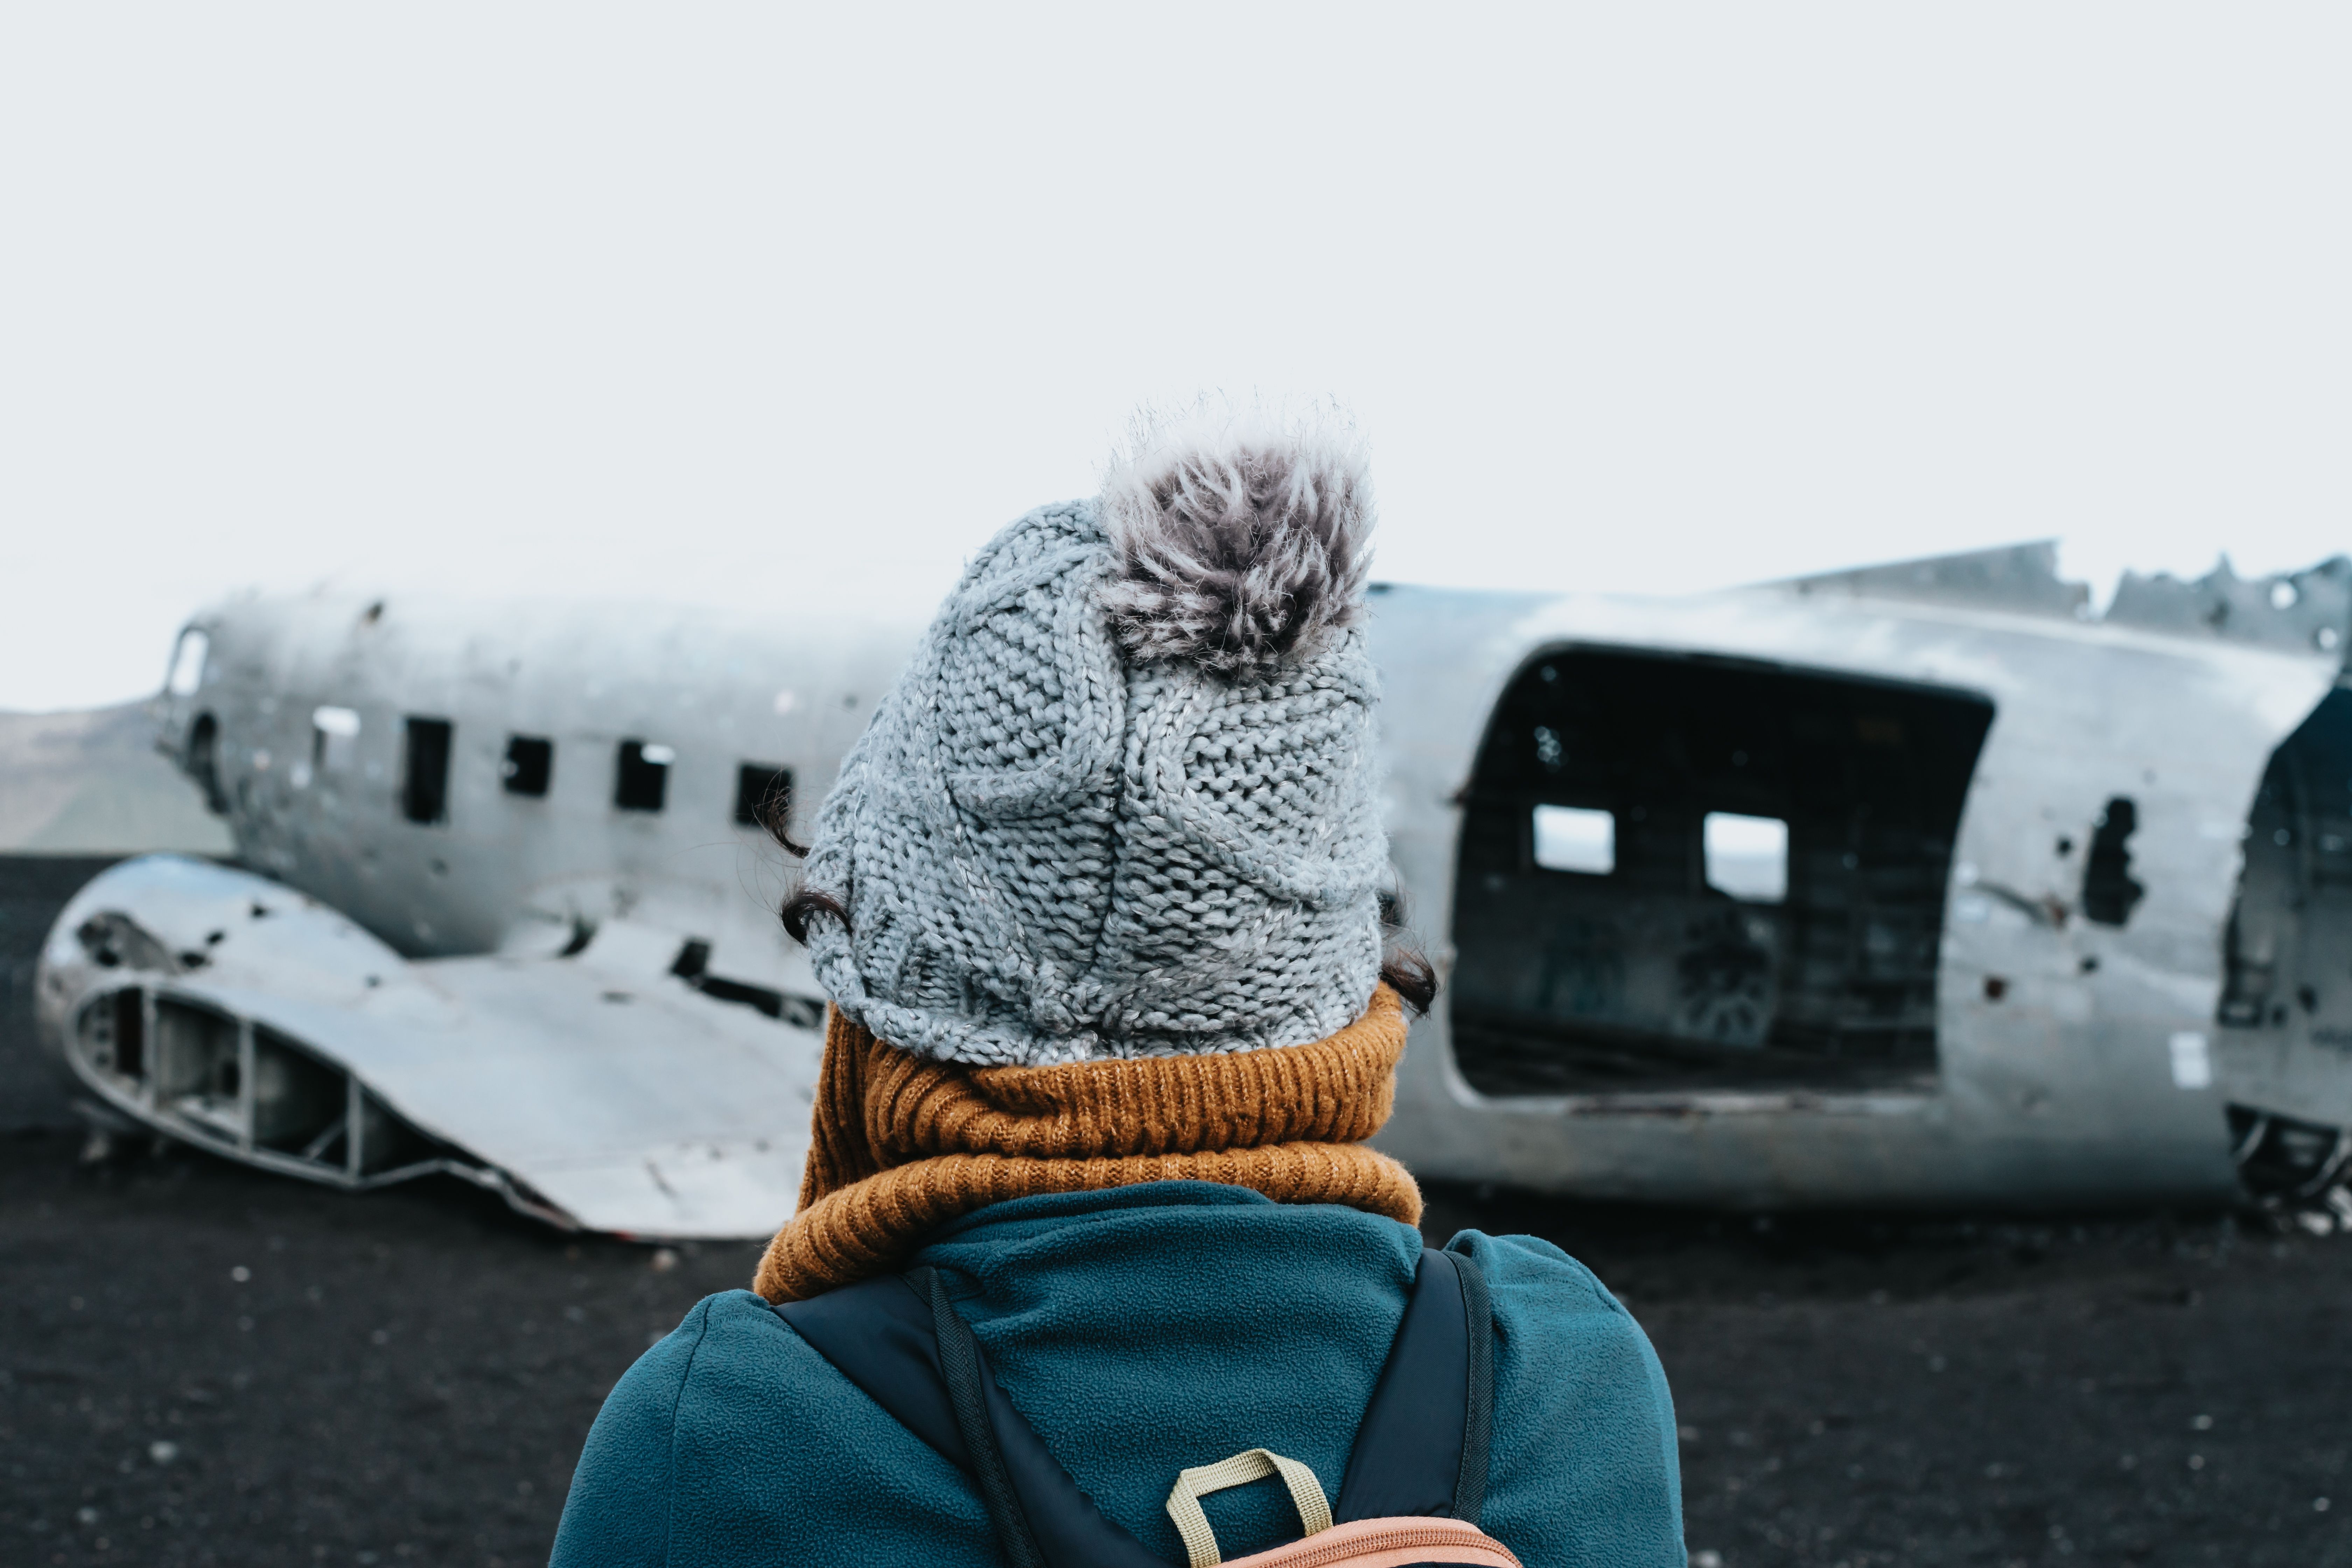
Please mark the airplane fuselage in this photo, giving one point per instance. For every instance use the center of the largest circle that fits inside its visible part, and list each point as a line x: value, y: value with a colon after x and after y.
x: 1860, y: 891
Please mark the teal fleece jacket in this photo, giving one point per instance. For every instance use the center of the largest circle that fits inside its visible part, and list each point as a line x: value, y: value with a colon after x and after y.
x: 1140, y: 1331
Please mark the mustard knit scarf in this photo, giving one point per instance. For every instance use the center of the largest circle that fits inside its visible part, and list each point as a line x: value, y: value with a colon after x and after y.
x: 902, y: 1144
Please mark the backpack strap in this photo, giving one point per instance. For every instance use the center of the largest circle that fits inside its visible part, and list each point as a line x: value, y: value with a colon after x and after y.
x: 880, y: 1335
x: 1478, y: 1398
x: 968, y: 1386
x: 901, y: 1340
x: 1407, y: 1460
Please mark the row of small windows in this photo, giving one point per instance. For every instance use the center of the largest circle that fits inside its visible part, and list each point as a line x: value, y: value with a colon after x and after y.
x: 640, y: 773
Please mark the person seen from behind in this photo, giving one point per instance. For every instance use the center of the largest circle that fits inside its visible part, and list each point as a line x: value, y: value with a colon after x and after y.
x: 1092, y: 1265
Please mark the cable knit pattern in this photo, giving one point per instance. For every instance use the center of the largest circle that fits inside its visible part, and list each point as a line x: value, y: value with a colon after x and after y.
x: 903, y: 1144
x: 1052, y: 851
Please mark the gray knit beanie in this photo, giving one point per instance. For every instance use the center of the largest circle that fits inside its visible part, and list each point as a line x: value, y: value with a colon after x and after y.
x: 1121, y: 802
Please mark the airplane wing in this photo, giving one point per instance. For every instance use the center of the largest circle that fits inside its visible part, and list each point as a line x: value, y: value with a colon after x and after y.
x: 620, y: 1086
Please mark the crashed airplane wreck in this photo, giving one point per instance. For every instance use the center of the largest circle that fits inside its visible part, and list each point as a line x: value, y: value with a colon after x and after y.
x: 1919, y: 885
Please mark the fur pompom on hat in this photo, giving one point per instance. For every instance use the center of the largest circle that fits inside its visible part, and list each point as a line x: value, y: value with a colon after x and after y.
x: 1121, y: 802
x: 1239, y: 540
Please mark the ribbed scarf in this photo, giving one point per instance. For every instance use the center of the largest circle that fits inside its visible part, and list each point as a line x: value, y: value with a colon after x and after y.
x: 902, y: 1144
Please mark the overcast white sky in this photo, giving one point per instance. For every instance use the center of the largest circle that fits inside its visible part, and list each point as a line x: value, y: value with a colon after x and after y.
x: 751, y: 305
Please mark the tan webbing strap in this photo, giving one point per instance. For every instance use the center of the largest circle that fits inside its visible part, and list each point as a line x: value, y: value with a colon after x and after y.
x: 1254, y: 1464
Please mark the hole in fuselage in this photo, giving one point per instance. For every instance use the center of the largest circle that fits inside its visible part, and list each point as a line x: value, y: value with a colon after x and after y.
x: 2292, y: 919
x: 2109, y: 891
x: 1676, y: 872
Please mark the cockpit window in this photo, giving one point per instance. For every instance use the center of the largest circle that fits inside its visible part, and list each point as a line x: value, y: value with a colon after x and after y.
x: 187, y: 670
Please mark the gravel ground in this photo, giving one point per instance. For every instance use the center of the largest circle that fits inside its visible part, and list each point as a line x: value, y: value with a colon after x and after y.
x: 199, y: 1363
x: 203, y: 1363
x: 2132, y: 1390
x: 33, y: 888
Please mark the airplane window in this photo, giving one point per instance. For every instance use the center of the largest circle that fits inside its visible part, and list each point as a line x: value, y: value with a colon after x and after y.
x: 334, y: 733
x: 1746, y: 856
x: 1572, y: 838
x: 425, y: 772
x: 642, y: 783
x: 761, y: 789
x: 1767, y: 854
x: 530, y: 763
x: 188, y: 663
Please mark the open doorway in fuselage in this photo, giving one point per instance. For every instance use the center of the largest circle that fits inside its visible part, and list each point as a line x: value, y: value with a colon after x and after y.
x: 1685, y: 872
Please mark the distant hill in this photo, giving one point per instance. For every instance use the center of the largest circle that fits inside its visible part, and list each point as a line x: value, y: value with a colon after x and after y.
x: 92, y: 783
